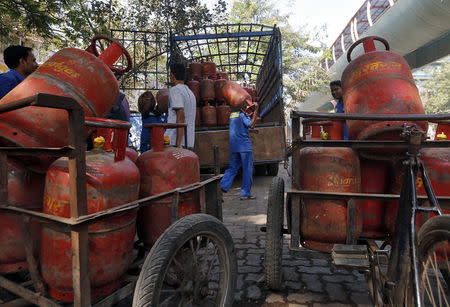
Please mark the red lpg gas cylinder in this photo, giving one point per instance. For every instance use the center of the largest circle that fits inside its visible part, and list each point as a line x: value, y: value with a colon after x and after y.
x: 437, y: 166
x: 222, y: 75
x: 379, y: 82
x: 195, y: 70
x: 198, y: 117
x: 237, y: 97
x: 209, y: 69
x: 207, y: 90
x: 69, y: 72
x: 324, y: 222
x: 194, y: 86
x: 25, y: 190
x: 162, y: 101
x: 223, y: 115
x: 164, y: 169
x: 209, y: 116
x: 374, y: 180
x: 110, y: 183
x: 131, y: 154
x: 115, y: 133
x: 218, y: 90
x: 443, y: 128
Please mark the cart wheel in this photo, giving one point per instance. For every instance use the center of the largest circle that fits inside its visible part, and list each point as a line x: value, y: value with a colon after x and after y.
x: 193, y: 263
x: 272, y: 169
x: 274, y: 234
x: 434, y: 253
x: 289, y: 212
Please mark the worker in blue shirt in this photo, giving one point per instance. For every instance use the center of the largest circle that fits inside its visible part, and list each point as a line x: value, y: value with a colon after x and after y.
x: 336, y: 92
x: 21, y: 62
x: 147, y: 108
x: 241, y: 153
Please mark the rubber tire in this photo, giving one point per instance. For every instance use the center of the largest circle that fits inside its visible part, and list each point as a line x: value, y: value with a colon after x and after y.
x: 272, y: 169
x: 433, y: 231
x: 289, y: 213
x: 157, y: 262
x: 274, y: 234
x: 260, y: 170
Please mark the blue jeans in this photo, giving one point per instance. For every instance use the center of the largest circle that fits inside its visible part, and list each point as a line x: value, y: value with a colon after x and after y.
x: 238, y: 159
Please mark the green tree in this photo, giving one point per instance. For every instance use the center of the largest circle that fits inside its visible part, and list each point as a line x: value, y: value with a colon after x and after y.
x: 436, y: 91
x: 172, y: 15
x: 301, y: 71
x: 22, y: 18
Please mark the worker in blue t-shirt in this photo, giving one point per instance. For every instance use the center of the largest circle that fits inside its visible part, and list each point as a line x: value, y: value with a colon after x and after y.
x: 336, y: 92
x: 241, y: 153
x: 146, y: 105
x: 21, y: 62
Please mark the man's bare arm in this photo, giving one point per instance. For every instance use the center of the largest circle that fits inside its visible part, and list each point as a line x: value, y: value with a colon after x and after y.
x: 180, y: 131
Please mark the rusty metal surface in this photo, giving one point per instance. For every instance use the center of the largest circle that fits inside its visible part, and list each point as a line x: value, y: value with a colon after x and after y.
x: 12, y: 250
x: 63, y: 74
x: 374, y: 179
x: 207, y: 90
x: 162, y: 171
x: 379, y: 82
x: 223, y: 115
x: 324, y: 222
x: 109, y: 183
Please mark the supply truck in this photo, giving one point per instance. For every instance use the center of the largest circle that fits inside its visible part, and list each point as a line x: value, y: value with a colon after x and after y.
x: 250, y: 54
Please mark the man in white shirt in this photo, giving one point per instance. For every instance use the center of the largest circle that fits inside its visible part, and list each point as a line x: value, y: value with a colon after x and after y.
x: 182, y: 107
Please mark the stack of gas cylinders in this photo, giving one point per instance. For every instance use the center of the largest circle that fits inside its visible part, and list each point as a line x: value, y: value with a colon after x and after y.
x: 215, y: 94
x: 42, y: 183
x: 377, y: 82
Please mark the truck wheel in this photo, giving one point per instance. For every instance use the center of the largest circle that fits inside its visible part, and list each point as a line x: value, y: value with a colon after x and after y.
x: 274, y: 234
x: 272, y: 169
x: 193, y: 263
x: 260, y: 170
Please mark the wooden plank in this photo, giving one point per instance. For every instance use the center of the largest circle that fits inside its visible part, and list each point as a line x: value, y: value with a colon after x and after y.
x: 78, y: 207
x: 20, y: 302
x: 29, y: 295
x: 32, y: 264
x: 80, y: 267
x: 202, y: 200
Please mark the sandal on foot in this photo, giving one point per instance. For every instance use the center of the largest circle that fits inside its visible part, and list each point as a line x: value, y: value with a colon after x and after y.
x: 247, y: 197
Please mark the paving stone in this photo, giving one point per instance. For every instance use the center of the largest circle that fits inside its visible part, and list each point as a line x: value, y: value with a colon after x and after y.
x: 356, y: 286
x: 241, y: 262
x: 296, y: 262
x: 249, y: 269
x: 361, y: 299
x: 290, y: 274
x: 240, y: 253
x: 240, y: 282
x: 245, y: 246
x: 305, y: 298
x: 314, y: 269
x: 297, y: 305
x: 320, y: 262
x: 312, y: 282
x: 253, y: 277
x: 254, y: 259
x: 294, y: 285
x: 338, y: 278
x: 260, y: 251
x: 253, y: 292
x: 331, y: 305
x: 359, y: 276
x: 274, y: 298
x: 336, y: 292
x: 238, y: 295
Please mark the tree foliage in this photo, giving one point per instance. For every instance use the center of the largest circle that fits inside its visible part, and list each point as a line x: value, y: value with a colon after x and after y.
x: 436, y: 91
x: 172, y: 15
x: 301, y: 71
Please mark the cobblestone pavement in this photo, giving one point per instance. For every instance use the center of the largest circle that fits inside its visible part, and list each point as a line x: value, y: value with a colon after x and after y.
x: 309, y: 279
